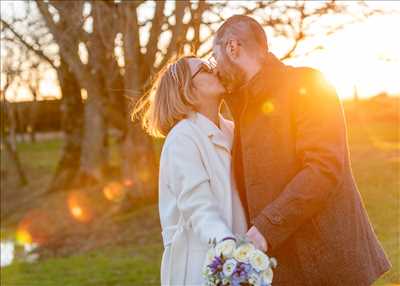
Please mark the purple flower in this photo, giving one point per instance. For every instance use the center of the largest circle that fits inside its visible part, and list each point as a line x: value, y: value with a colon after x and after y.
x: 216, y: 265
x: 236, y: 279
x: 246, y: 267
x: 242, y: 270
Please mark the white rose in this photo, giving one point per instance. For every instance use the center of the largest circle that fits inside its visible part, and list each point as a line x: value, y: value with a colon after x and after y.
x: 254, y: 279
x: 259, y: 260
x: 228, y: 267
x: 242, y: 253
x: 225, y: 248
x: 267, y: 276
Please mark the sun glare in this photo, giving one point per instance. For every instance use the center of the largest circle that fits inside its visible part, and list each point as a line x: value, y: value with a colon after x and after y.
x: 363, y: 58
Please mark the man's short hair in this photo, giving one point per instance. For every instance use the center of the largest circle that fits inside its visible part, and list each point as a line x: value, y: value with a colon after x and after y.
x: 246, y: 30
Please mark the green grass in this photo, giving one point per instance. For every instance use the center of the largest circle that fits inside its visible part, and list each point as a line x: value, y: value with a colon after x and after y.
x: 375, y: 154
x: 42, y: 155
x: 111, y: 266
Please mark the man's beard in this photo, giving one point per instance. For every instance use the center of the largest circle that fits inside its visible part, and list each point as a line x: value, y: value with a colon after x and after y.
x: 232, y: 76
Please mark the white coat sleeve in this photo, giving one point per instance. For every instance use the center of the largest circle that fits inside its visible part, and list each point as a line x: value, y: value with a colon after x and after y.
x: 191, y: 184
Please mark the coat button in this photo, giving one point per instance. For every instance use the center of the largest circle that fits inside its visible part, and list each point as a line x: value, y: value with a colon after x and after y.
x: 276, y: 219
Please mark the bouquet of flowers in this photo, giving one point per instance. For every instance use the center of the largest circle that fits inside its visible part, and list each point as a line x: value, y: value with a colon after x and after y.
x: 236, y: 262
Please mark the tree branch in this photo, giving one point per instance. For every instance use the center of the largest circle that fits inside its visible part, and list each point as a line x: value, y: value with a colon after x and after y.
x: 67, y: 42
x: 27, y: 45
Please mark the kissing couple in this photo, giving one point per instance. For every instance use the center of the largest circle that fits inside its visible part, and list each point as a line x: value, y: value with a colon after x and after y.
x: 279, y: 173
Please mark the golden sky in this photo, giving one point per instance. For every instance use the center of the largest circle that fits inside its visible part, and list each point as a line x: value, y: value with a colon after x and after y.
x: 365, y: 55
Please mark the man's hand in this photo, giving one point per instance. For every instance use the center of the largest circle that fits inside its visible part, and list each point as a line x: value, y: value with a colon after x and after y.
x: 257, y: 239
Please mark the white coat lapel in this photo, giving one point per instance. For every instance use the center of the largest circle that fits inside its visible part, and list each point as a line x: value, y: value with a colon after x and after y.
x: 220, y: 183
x: 221, y: 137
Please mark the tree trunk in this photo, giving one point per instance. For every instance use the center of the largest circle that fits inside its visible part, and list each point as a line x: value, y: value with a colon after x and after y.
x: 139, y: 167
x: 94, y: 144
x: 11, y: 157
x: 72, y: 125
x: 15, y: 162
x: 139, y: 163
x: 33, y: 112
x: 13, y: 124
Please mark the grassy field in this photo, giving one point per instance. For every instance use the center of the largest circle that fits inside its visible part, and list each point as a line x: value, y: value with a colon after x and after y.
x: 131, y: 252
x: 136, y: 263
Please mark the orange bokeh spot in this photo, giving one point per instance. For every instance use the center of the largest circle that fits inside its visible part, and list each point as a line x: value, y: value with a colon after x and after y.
x: 128, y: 182
x: 114, y: 191
x: 23, y: 236
x: 35, y: 227
x: 76, y: 211
x: 267, y: 107
x: 302, y: 91
x: 79, y: 207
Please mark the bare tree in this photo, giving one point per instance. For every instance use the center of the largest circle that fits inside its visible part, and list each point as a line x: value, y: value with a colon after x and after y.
x: 12, y: 68
x: 69, y: 35
x: 30, y: 31
x: 112, y: 49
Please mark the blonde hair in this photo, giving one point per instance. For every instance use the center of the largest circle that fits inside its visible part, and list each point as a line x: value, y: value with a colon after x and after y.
x: 169, y: 100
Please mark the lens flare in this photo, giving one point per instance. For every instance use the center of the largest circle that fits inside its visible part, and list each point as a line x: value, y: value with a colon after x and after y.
x: 76, y: 211
x: 79, y: 207
x: 268, y: 107
x: 35, y: 227
x: 23, y: 236
x: 114, y: 191
x: 128, y: 183
x: 303, y: 91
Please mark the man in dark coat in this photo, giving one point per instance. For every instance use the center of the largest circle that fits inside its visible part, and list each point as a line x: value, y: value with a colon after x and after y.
x: 292, y: 165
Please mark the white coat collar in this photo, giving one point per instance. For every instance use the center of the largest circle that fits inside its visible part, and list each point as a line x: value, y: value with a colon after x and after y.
x: 222, y: 137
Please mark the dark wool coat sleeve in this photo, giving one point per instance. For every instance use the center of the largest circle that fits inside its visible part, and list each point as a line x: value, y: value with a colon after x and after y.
x: 320, y: 147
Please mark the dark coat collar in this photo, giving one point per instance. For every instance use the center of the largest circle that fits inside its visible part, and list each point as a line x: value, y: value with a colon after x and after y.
x: 263, y: 83
x: 266, y: 80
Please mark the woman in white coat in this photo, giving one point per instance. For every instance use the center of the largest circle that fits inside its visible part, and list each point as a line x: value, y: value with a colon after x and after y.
x: 197, y: 197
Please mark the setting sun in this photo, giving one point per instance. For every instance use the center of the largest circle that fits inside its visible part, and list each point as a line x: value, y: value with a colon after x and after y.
x: 363, y: 57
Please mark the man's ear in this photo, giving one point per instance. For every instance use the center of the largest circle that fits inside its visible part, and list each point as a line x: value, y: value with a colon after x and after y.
x: 232, y: 48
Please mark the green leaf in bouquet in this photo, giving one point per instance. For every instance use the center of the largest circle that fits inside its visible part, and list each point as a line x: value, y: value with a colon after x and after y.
x: 214, y: 242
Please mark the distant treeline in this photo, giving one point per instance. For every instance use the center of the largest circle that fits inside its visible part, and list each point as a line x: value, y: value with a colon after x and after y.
x: 38, y: 116
x: 380, y: 108
x: 45, y: 115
